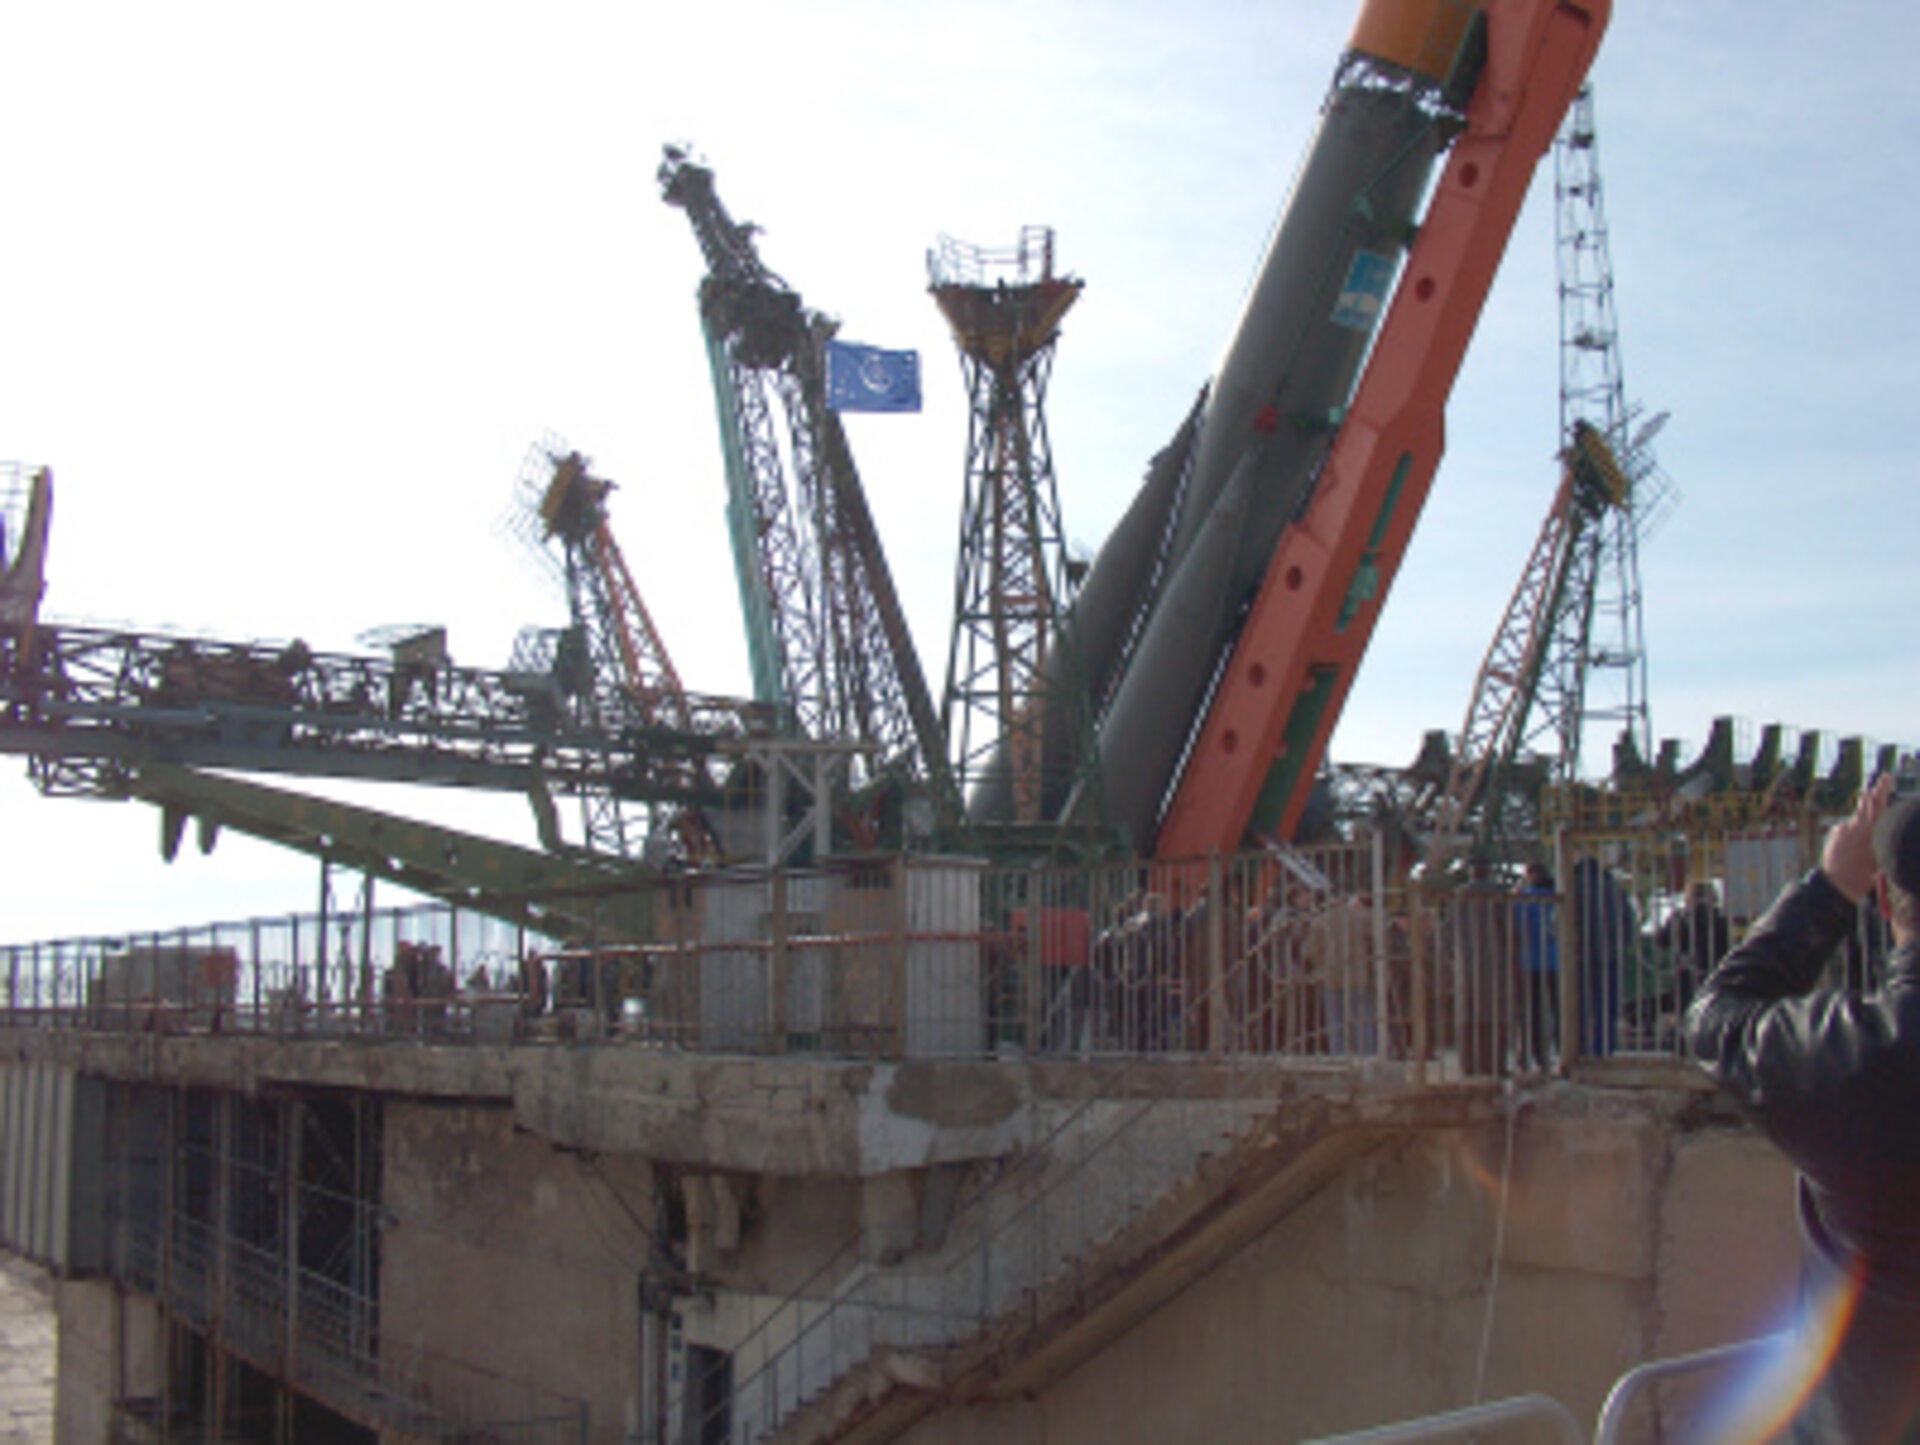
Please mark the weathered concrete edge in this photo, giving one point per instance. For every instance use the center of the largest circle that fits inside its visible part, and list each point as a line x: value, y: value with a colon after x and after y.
x: 791, y: 1116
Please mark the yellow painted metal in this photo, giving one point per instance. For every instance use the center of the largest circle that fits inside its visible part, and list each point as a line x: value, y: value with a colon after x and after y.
x: 1422, y: 36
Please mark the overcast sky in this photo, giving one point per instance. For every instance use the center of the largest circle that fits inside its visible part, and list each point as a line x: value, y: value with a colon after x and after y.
x: 286, y: 294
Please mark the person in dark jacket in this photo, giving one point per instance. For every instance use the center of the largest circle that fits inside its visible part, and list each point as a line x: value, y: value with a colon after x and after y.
x: 1699, y: 936
x: 1605, y: 927
x: 1833, y: 1077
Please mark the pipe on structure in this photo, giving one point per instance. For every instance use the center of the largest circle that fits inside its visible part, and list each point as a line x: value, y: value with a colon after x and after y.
x: 23, y: 556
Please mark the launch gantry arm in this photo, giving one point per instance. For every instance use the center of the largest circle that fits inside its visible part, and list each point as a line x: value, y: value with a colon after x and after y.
x: 632, y: 677
x: 90, y: 706
x: 826, y: 635
x: 1555, y: 577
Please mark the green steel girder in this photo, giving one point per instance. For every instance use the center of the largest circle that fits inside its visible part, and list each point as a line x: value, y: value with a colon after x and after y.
x: 557, y: 895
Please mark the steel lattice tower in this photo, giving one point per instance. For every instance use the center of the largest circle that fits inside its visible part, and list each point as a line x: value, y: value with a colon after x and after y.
x: 1012, y: 585
x: 1574, y: 618
x: 826, y: 634
x: 611, y: 655
x: 1595, y: 667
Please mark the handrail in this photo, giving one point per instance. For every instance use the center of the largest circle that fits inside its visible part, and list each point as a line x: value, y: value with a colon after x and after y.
x: 1606, y: 1429
x: 1453, y: 1422
x: 793, y: 1351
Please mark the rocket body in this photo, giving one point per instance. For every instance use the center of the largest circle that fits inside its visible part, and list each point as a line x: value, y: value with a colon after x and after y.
x: 1274, y: 406
x: 1319, y: 293
x: 1163, y: 603
x: 1102, y: 617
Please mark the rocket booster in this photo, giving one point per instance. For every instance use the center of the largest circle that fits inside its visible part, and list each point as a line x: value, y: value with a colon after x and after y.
x: 1278, y: 395
x: 1103, y: 616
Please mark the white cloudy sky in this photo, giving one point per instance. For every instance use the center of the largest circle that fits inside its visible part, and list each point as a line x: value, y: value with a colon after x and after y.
x: 285, y: 294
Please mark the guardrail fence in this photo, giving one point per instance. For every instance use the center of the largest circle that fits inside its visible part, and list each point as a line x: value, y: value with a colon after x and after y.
x: 1308, y: 953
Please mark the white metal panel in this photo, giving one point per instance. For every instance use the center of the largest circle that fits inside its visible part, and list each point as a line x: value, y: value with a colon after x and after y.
x: 10, y: 1145
x: 945, y: 1007
x: 39, y: 1154
x: 60, y: 1154
x: 734, y: 982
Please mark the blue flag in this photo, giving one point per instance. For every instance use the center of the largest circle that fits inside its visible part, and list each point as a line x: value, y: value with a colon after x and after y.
x: 865, y: 378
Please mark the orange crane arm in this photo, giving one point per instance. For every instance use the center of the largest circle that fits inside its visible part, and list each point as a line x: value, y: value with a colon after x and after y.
x: 650, y: 676
x: 1294, y: 663
x: 1504, y: 688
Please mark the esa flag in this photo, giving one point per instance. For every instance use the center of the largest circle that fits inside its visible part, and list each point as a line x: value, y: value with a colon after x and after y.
x: 865, y: 378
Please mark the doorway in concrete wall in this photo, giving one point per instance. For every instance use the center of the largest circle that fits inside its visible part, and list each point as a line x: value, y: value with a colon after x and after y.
x: 708, y: 1417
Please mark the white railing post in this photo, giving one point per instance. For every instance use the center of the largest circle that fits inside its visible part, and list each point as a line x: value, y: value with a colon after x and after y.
x: 1382, y: 1000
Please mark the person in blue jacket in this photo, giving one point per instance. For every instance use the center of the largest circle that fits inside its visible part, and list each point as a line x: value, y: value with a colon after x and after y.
x: 1538, y: 932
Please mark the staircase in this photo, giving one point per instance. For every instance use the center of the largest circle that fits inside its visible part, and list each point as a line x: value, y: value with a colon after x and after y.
x: 1129, y: 1197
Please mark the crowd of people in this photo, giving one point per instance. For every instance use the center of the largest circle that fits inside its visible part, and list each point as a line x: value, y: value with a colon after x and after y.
x: 1309, y: 969
x: 418, y: 989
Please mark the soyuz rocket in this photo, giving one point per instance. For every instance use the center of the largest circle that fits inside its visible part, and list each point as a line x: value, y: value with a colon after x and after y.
x: 1159, y: 609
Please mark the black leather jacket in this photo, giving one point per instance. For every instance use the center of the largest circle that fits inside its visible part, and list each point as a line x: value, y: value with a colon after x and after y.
x: 1834, y: 1079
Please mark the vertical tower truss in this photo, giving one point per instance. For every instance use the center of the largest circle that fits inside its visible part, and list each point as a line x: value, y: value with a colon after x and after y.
x: 826, y: 636
x: 1005, y: 308
x: 1568, y: 651
x: 1594, y: 670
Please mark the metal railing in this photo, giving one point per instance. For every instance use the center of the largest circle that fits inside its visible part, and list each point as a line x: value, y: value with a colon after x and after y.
x: 1458, y: 1424
x: 1626, y: 1391
x: 1101, y: 1163
x: 324, y: 1340
x: 1303, y: 955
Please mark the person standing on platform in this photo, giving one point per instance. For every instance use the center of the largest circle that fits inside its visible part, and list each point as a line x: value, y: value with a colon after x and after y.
x: 1539, y: 936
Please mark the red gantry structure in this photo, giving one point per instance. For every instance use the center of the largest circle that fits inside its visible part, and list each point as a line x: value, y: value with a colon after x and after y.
x: 611, y: 652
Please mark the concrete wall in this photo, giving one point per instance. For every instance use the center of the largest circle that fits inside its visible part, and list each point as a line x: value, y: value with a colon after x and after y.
x: 1636, y: 1227
x: 1640, y: 1222
x: 505, y: 1252
x: 101, y: 1361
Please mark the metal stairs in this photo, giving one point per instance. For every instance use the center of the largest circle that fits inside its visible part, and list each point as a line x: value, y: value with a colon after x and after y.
x: 1127, y: 1199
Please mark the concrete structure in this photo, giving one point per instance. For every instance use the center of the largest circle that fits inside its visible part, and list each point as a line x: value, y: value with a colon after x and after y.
x: 1153, y: 1191
x: 28, y: 1361
x: 590, y: 1228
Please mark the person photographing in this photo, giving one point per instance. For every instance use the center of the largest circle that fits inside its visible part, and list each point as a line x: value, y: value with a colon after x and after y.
x: 1833, y: 1078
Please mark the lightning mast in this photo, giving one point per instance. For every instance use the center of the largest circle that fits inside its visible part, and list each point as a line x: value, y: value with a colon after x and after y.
x: 826, y: 636
x: 1013, y: 583
x: 1595, y: 667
